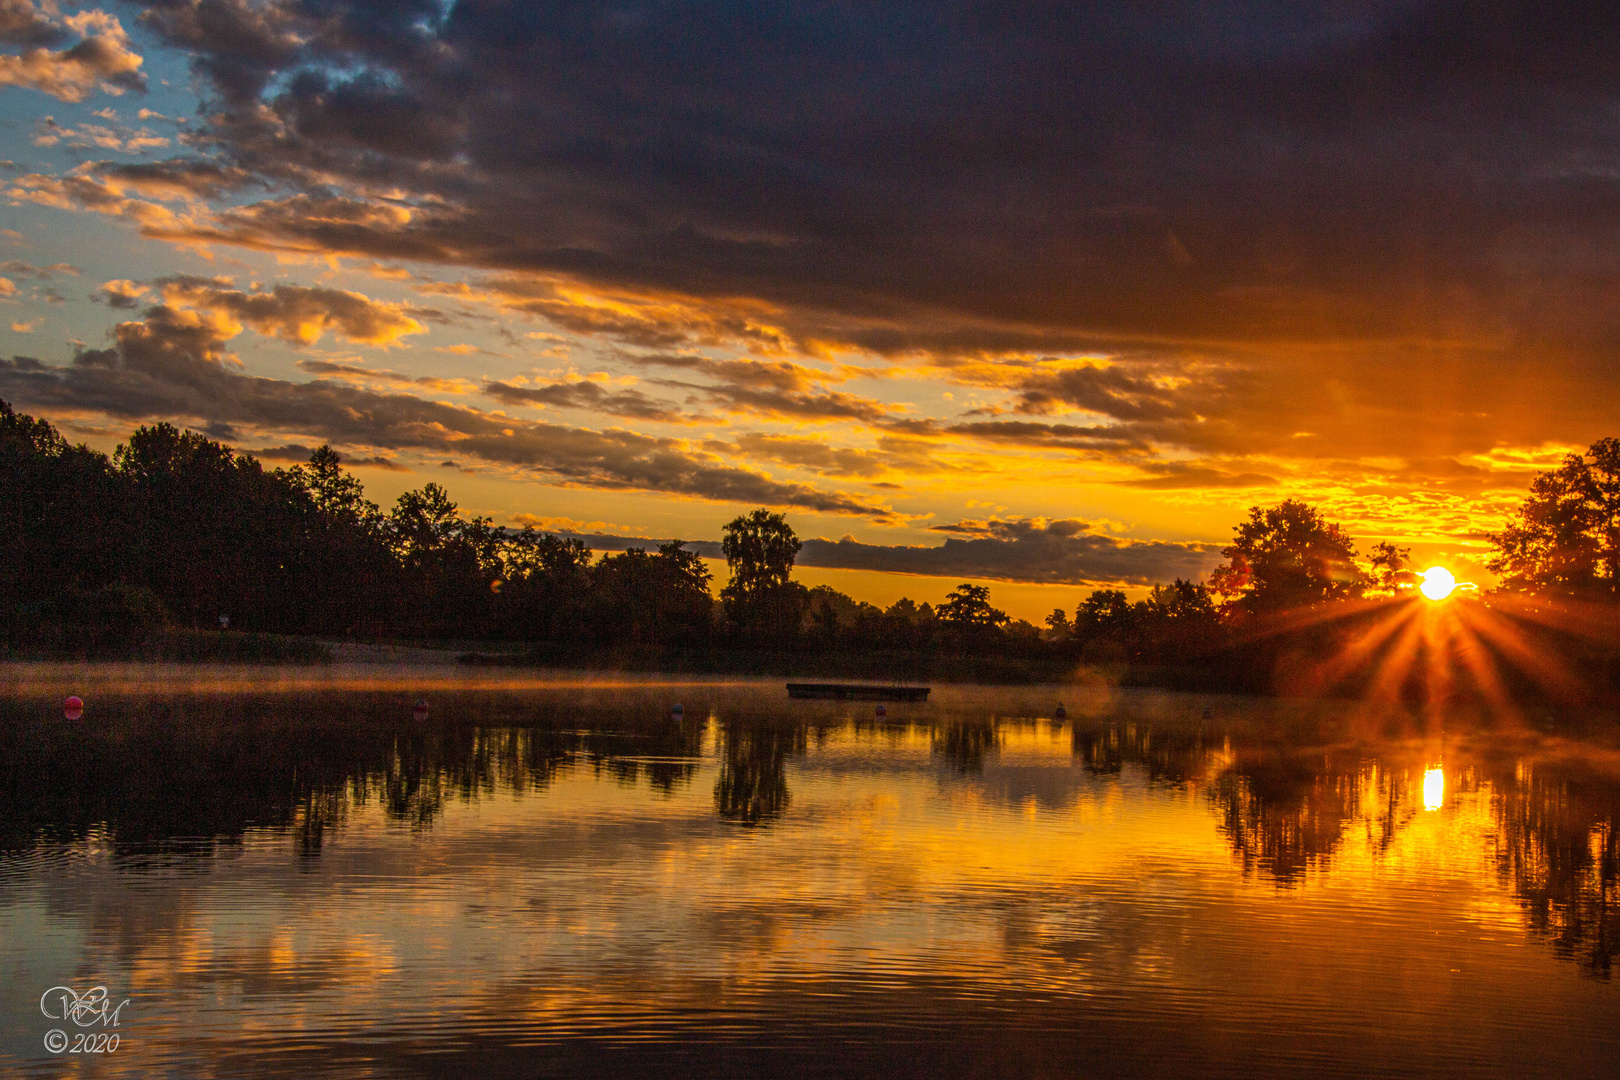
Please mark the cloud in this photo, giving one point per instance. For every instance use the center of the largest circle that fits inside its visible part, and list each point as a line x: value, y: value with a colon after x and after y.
x: 301, y: 454
x: 172, y: 364
x: 1169, y: 476
x: 21, y: 23
x: 359, y: 373
x: 42, y: 273
x: 47, y: 132
x: 122, y: 293
x: 1026, y: 550
x: 1112, y: 391
x: 8, y: 287
x: 893, y: 455
x: 102, y: 58
x: 778, y: 375
x: 297, y: 313
x: 565, y: 524
x: 587, y: 395
x: 1105, y: 437
x: 178, y: 179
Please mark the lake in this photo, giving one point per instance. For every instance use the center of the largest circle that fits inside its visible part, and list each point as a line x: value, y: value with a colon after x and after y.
x: 281, y: 872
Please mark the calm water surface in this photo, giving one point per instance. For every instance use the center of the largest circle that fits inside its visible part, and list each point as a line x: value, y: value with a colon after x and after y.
x: 288, y: 875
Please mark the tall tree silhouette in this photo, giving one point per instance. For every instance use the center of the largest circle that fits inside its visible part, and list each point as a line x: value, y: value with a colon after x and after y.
x: 761, y: 599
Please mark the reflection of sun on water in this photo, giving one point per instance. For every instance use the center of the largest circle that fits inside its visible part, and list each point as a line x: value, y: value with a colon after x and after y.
x: 1434, y: 788
x: 1438, y: 583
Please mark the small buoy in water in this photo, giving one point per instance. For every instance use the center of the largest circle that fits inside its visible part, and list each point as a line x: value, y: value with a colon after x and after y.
x: 419, y: 713
x: 73, y: 708
x: 1061, y: 712
x: 676, y: 711
x: 224, y: 622
x: 882, y: 711
x: 1208, y: 714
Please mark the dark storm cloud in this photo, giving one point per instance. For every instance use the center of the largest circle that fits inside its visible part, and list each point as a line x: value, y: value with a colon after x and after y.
x: 1389, y: 226
x: 1117, y: 166
x: 170, y: 365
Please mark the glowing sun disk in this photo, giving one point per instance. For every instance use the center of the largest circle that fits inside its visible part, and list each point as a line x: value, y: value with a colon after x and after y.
x: 1437, y: 583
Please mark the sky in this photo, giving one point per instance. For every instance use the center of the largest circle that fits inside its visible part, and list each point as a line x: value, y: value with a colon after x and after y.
x: 1038, y: 295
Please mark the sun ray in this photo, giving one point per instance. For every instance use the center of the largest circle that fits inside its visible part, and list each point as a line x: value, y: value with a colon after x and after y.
x: 1392, y: 670
x: 1476, y: 658
x: 1366, y: 644
x: 1546, y: 669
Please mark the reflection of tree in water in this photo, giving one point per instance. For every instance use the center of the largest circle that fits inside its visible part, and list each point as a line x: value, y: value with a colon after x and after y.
x: 752, y: 787
x: 1556, y: 842
x: 965, y: 743
x: 1284, y: 814
x: 665, y: 756
x: 1173, y: 756
x: 182, y: 777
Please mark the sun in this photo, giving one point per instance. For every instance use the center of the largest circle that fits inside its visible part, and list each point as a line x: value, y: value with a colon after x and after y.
x: 1438, y: 583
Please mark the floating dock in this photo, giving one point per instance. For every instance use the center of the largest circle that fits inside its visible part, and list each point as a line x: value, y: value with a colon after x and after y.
x: 856, y: 691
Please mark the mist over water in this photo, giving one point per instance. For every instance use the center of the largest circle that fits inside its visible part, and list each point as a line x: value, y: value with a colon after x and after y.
x: 286, y: 873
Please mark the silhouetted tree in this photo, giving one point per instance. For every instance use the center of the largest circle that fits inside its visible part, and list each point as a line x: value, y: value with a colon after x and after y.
x: 546, y: 589
x: 657, y: 601
x: 213, y: 532
x: 1177, y: 623
x: 1391, y: 567
x: 967, y: 608
x: 1287, y: 556
x: 450, y: 564
x: 63, y: 525
x: 761, y: 599
x: 1565, y: 538
x: 352, y: 577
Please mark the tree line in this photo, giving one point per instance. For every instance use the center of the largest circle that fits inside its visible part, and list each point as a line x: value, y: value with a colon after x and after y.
x: 175, y: 528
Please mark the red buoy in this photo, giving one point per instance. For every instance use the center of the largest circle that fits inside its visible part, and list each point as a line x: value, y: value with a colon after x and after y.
x: 73, y: 708
x: 419, y: 713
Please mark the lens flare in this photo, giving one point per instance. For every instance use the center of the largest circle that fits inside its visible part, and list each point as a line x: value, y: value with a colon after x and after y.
x: 1437, y: 583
